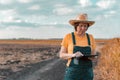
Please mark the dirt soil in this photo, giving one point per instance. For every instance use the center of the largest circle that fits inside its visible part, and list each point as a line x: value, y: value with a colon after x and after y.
x: 19, y: 59
x: 31, y: 62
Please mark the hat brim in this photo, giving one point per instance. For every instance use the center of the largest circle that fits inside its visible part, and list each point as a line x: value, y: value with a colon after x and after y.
x: 72, y: 22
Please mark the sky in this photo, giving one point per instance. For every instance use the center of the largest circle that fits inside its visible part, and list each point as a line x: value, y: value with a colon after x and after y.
x: 46, y: 19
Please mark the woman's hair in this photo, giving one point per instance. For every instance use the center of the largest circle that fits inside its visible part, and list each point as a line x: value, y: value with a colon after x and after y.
x: 76, y: 25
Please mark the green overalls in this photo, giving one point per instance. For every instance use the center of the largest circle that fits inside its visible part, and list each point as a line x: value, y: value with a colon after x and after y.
x: 84, y: 69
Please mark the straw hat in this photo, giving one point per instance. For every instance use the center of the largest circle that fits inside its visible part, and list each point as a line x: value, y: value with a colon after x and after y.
x: 82, y: 18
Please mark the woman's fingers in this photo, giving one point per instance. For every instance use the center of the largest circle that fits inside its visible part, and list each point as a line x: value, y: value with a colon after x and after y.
x: 78, y: 54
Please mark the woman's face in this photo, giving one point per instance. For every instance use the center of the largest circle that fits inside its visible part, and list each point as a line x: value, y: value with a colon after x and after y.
x: 82, y: 28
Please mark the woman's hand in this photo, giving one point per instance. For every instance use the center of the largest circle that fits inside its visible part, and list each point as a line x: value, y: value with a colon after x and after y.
x: 93, y: 58
x: 78, y: 54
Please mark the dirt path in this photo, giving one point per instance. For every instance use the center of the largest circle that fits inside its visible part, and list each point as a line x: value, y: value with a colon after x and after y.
x: 52, y: 69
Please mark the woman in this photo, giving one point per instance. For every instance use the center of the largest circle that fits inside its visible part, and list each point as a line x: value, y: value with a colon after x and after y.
x: 76, y: 47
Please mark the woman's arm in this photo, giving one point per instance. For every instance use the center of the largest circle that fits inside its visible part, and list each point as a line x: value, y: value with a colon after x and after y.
x: 64, y: 53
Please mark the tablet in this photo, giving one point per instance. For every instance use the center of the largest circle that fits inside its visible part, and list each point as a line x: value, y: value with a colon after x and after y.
x: 90, y: 55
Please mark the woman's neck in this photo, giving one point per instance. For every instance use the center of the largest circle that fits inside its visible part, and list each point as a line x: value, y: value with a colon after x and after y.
x: 80, y: 34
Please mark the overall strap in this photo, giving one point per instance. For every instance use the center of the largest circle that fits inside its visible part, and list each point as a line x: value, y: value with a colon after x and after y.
x: 73, y: 38
x: 88, y: 38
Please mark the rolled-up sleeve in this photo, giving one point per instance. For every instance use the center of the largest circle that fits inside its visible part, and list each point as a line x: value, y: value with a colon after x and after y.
x: 65, y: 41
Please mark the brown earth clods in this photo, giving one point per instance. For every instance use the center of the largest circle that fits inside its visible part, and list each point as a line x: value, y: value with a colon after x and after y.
x: 16, y: 57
